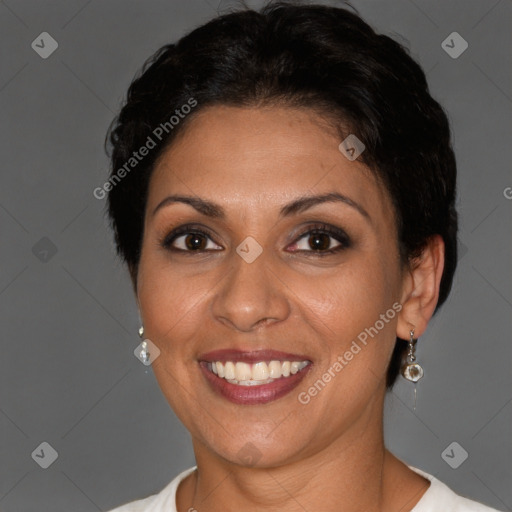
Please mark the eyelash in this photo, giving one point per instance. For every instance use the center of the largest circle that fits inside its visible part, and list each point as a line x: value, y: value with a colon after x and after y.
x: 319, y: 228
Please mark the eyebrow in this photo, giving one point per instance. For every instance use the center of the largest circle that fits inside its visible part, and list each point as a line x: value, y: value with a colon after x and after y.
x: 299, y: 205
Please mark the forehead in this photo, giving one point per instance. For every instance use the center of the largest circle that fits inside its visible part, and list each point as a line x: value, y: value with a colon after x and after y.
x: 247, y: 158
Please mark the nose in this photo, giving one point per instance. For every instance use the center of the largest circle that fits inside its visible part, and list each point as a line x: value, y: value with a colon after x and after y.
x: 251, y: 295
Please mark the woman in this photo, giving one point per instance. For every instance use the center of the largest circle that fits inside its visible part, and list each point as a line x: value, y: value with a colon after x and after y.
x: 282, y: 191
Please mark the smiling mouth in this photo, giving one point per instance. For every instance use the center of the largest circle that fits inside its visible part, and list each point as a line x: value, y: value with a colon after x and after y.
x: 256, y: 374
x: 253, y: 377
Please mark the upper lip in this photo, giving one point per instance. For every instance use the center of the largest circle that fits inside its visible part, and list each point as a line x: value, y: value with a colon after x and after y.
x: 250, y: 356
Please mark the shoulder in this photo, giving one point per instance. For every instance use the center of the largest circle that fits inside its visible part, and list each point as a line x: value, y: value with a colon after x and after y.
x: 164, y: 501
x: 440, y: 495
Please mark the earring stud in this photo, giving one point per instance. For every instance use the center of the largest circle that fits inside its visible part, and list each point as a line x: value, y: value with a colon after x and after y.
x: 141, y: 331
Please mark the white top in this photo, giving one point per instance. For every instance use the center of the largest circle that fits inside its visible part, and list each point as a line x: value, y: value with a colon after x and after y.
x: 437, y: 495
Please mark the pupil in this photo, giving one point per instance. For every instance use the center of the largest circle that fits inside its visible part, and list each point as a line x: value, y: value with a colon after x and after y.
x: 317, y: 243
x: 194, y: 241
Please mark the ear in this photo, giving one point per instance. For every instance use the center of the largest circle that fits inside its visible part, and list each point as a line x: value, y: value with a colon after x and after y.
x: 420, y: 289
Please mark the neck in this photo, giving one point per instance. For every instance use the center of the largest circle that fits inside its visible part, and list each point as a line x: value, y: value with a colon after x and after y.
x: 354, y: 472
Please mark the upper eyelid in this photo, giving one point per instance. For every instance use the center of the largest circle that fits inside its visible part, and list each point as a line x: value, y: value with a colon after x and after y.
x: 180, y: 231
x: 338, y: 234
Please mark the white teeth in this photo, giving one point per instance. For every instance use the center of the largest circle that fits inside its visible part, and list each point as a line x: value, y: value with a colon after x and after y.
x: 274, y: 369
x: 229, y: 370
x: 244, y: 374
x: 260, y: 371
x: 250, y: 382
x: 243, y: 371
x: 294, y: 368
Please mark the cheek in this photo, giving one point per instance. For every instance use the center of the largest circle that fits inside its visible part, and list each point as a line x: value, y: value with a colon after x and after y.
x: 352, y: 296
x: 351, y: 310
x: 172, y: 303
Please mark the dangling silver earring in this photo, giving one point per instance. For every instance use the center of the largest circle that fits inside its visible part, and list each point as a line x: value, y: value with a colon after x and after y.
x: 411, y: 370
x: 144, y: 354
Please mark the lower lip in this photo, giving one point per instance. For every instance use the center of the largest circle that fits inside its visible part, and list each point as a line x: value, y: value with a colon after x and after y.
x: 253, y: 395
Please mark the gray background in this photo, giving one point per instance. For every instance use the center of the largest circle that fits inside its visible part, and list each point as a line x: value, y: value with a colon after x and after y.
x: 69, y: 321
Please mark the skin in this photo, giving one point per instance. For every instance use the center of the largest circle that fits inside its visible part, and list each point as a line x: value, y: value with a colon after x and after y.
x: 327, y: 455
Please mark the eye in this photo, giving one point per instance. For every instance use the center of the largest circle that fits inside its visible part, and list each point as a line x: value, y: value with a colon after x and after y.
x: 189, y: 239
x: 319, y: 240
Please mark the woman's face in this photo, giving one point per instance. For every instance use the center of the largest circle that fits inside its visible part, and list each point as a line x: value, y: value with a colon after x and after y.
x: 259, y: 287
